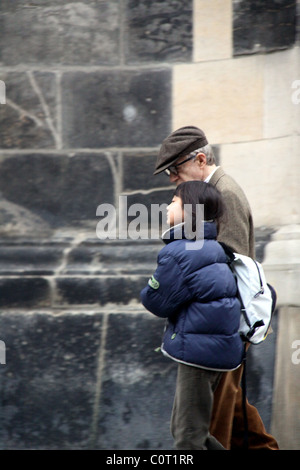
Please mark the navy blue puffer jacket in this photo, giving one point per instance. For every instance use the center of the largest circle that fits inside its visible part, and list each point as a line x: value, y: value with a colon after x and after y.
x: 196, y: 291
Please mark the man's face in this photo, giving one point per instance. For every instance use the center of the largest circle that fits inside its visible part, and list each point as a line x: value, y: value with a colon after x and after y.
x: 190, y: 170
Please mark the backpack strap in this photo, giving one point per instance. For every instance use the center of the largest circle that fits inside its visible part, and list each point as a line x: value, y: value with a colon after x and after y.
x: 228, y: 251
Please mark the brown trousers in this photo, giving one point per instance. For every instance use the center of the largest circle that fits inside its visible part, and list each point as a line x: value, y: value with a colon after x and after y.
x: 227, y: 423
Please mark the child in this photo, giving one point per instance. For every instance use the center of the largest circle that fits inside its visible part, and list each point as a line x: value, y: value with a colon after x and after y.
x: 196, y: 291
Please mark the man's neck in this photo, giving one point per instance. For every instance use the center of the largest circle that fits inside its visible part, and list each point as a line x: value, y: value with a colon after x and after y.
x: 209, y: 169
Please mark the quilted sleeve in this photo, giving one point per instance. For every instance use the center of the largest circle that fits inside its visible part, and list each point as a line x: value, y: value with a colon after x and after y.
x: 166, y: 291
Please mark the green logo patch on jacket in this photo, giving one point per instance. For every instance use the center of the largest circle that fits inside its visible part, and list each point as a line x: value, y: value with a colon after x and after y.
x: 153, y: 283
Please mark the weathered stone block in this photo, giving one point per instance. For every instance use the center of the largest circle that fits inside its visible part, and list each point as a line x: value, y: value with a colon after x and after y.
x: 48, y: 382
x: 99, y: 290
x: 137, y: 100
x: 111, y: 257
x: 158, y: 31
x: 64, y: 190
x: 28, y: 119
x: 34, y: 259
x: 159, y: 196
x: 281, y: 100
x: 70, y: 33
x: 212, y: 21
x: 55, y: 393
x: 149, y: 216
x: 231, y: 91
x: 25, y: 292
x: 270, y: 207
x: 261, y: 26
x: 16, y: 221
x: 138, y: 171
x: 138, y: 386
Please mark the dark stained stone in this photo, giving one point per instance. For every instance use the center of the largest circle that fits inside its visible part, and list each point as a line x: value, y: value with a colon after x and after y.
x: 48, y: 382
x: 116, y: 108
x: 99, y: 290
x: 59, y: 32
x: 65, y: 190
x: 25, y: 292
x: 262, y: 26
x: 158, y: 31
x: 138, y: 386
x: 28, y: 119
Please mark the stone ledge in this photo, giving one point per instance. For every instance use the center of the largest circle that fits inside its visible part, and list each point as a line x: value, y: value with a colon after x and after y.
x: 76, y: 272
x: 69, y: 256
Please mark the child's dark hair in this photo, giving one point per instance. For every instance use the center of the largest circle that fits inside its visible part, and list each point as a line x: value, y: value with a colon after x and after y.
x: 198, y: 192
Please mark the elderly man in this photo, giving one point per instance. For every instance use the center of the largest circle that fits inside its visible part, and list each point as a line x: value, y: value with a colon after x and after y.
x: 186, y: 155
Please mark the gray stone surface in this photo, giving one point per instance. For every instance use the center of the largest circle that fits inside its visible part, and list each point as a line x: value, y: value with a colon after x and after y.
x: 138, y: 386
x: 141, y: 165
x: 137, y: 100
x: 158, y: 31
x: 77, y: 32
x: 29, y: 120
x: 62, y: 272
x: 48, y: 383
x: 20, y: 292
x: 262, y: 26
x: 99, y: 291
x: 62, y: 189
x: 55, y: 395
x: 93, y: 380
x: 16, y: 221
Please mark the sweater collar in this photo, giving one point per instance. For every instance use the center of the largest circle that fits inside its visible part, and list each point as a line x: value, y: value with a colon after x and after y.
x: 178, y: 232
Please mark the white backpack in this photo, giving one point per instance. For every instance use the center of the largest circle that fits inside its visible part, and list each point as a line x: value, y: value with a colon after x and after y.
x: 258, y: 298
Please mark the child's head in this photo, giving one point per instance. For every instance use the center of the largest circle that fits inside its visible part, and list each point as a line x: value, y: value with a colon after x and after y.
x: 192, y: 193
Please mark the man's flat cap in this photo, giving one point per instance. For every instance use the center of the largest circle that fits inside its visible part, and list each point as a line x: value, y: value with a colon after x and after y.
x: 179, y: 143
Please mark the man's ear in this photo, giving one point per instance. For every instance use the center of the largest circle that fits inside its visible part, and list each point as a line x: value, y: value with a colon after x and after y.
x: 201, y: 159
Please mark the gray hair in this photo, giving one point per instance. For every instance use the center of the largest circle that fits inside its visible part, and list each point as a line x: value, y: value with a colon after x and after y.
x: 208, y: 152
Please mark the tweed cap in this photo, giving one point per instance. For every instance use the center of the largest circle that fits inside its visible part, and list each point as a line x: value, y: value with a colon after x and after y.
x: 181, y: 142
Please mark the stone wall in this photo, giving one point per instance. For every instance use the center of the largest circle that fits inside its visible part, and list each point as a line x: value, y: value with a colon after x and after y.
x: 92, y: 88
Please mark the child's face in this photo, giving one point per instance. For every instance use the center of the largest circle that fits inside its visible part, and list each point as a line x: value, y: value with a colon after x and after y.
x: 175, y: 212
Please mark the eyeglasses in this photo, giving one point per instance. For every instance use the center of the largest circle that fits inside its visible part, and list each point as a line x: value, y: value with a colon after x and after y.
x: 173, y: 168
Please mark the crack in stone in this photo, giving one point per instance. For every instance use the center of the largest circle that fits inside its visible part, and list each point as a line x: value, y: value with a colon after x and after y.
x: 45, y: 108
